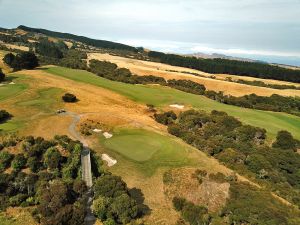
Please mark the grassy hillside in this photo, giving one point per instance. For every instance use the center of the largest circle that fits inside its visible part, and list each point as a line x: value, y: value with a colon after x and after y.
x: 163, y: 96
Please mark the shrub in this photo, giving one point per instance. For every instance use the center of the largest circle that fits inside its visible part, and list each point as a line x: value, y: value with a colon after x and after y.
x: 69, y: 98
x: 18, y: 162
x: 5, y: 159
x: 4, y: 115
x: 285, y: 140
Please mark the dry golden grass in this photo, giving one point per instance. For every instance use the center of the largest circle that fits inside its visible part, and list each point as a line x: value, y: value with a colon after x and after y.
x: 95, y: 103
x: 3, y: 66
x: 21, y: 216
x: 140, y: 67
x: 69, y: 44
x: 19, y: 47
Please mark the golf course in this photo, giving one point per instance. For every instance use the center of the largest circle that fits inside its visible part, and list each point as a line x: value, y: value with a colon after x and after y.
x: 164, y: 96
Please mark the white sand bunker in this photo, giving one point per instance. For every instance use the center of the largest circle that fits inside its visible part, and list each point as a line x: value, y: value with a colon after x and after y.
x: 2, y: 85
x: 110, y: 161
x: 97, y: 130
x: 107, y: 135
x: 12, y: 83
x: 177, y: 106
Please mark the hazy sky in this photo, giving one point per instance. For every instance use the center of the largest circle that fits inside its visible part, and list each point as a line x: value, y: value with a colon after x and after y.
x: 263, y: 29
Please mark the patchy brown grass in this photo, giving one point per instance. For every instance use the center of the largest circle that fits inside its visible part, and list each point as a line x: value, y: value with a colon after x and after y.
x: 20, y: 216
x: 140, y: 67
x: 209, y: 193
x: 94, y: 103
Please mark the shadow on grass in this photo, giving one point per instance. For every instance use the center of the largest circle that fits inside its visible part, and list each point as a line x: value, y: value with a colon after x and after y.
x: 138, y: 196
x: 9, y: 78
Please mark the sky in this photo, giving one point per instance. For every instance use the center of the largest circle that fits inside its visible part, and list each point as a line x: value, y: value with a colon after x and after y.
x: 266, y: 30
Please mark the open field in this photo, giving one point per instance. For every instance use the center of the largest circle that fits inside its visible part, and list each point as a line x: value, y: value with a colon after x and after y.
x: 140, y: 67
x: 164, y: 96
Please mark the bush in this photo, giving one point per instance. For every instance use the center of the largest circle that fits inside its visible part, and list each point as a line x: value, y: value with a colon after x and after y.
x: 69, y: 98
x: 5, y: 159
x: 18, y: 162
x: 285, y: 140
x: 4, y: 115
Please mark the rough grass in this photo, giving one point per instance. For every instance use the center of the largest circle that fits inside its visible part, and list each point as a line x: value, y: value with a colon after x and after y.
x: 147, y: 150
x: 163, y: 96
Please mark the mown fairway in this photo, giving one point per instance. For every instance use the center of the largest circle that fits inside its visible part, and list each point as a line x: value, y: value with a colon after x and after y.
x: 24, y: 102
x: 163, y: 96
x: 10, y: 90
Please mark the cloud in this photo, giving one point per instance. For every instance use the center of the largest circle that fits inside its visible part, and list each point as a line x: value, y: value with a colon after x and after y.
x: 229, y: 26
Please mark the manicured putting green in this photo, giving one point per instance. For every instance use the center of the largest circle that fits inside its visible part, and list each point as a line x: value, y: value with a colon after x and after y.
x: 136, y: 144
x: 147, y: 150
x: 162, y: 96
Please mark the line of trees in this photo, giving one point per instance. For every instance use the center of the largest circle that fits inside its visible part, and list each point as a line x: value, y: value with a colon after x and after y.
x: 225, y: 66
x: 275, y: 102
x: 23, y: 60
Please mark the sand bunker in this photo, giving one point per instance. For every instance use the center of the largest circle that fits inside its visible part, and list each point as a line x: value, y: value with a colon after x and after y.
x: 107, y: 135
x: 12, y: 83
x: 110, y: 161
x: 97, y: 130
x: 177, y: 106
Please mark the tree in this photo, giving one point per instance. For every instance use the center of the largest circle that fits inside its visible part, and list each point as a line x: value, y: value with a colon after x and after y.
x: 52, y: 158
x: 2, y: 75
x: 5, y: 159
x: 109, y: 186
x: 24, y: 60
x: 100, y: 207
x: 69, y: 98
x: 18, y: 162
x: 50, y: 49
x: 285, y: 140
x: 9, y: 59
x: 34, y: 164
x: 124, y: 208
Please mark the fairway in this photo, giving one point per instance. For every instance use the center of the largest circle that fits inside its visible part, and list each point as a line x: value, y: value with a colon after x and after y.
x: 45, y: 99
x: 147, y: 150
x: 163, y: 96
x: 10, y: 90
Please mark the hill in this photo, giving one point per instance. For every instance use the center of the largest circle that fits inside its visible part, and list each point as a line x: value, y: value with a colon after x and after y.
x: 82, y: 39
